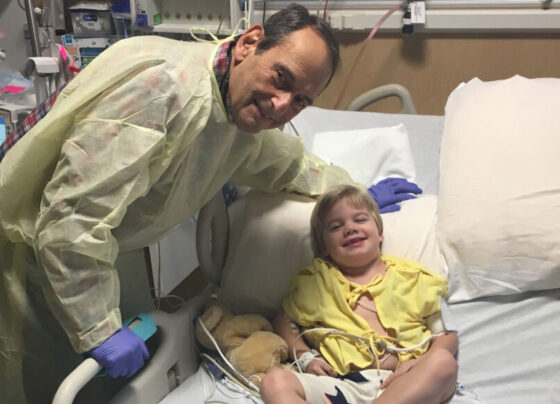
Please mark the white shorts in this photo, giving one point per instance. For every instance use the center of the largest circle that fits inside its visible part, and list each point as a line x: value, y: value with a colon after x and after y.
x: 360, y: 387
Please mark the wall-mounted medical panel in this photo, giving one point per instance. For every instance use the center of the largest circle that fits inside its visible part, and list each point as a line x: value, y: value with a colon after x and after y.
x: 440, y: 15
x: 220, y: 17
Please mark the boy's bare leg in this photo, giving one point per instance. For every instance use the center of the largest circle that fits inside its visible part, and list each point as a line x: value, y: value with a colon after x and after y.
x: 432, y: 380
x: 281, y: 386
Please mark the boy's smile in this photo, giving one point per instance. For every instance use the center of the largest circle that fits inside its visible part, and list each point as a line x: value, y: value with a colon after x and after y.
x: 351, y: 237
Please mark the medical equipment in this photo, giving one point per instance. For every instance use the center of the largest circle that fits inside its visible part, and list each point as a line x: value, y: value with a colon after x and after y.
x: 142, y: 325
x: 2, y: 130
x: 246, y: 381
x: 265, y: 232
x: 46, y: 66
x: 436, y: 15
x: 217, y: 16
x: 12, y: 114
x: 381, y: 344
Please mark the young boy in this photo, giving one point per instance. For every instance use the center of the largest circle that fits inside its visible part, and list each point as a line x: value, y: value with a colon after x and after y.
x: 371, y: 314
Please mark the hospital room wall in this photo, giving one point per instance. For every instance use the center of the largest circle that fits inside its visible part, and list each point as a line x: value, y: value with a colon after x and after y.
x: 431, y: 66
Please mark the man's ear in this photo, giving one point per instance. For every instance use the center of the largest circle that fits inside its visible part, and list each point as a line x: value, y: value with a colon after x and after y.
x: 247, y: 43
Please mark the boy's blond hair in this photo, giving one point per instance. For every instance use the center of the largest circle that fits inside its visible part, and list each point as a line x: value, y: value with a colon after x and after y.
x: 357, y: 197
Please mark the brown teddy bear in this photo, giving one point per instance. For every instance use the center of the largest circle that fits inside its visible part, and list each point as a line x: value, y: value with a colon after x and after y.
x: 246, y: 340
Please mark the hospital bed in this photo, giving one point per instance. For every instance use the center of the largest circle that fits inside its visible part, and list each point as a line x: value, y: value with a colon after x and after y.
x: 487, y: 221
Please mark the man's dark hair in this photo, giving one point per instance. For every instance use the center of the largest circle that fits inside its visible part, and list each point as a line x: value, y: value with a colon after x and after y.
x: 293, y: 18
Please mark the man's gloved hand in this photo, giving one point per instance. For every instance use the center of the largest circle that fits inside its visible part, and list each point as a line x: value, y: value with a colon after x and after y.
x: 122, y: 354
x: 390, y: 191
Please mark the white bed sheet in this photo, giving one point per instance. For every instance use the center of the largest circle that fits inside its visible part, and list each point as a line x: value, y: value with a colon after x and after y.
x: 508, y: 354
x: 509, y: 347
x: 202, y: 387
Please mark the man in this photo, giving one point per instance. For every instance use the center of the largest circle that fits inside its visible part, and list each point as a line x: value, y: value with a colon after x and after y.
x: 135, y: 145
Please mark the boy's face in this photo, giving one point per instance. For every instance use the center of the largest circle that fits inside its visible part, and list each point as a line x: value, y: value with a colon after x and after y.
x: 351, y: 236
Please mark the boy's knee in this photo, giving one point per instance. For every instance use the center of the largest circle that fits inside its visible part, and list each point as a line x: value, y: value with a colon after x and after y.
x: 275, y: 380
x: 444, y: 365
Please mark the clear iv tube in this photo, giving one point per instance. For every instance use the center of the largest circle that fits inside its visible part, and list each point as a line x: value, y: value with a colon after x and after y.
x: 364, y: 43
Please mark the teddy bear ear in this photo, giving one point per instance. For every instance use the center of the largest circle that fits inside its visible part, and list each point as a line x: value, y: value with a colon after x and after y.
x: 212, y: 316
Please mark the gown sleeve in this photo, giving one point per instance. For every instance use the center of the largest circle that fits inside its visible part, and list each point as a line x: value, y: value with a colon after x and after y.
x: 280, y: 163
x: 118, y: 146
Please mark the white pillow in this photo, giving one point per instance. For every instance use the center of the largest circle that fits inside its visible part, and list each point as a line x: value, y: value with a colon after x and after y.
x: 411, y: 233
x: 270, y: 242
x: 499, y: 200
x: 369, y: 155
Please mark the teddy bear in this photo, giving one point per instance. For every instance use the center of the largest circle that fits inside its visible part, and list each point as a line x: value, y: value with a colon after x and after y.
x: 246, y: 340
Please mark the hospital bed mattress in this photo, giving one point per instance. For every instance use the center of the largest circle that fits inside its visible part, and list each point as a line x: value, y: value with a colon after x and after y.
x: 501, y: 355
x: 509, y: 348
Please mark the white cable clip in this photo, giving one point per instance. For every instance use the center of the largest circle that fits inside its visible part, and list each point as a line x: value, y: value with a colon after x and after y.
x: 418, y: 12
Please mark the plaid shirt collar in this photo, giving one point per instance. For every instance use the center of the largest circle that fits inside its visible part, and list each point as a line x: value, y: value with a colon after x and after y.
x: 220, y: 65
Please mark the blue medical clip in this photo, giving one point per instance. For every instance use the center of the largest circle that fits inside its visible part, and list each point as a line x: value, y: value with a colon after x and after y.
x: 141, y: 325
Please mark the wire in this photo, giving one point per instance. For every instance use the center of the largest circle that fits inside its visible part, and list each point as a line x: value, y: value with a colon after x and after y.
x: 158, y: 286
x: 247, y: 381
x: 249, y: 12
x: 158, y: 289
x: 231, y: 377
x: 45, y: 15
x: 364, y: 342
x: 325, y: 10
x: 370, y: 36
x: 223, y: 15
x: 412, y: 348
x: 230, y: 386
x: 294, y: 128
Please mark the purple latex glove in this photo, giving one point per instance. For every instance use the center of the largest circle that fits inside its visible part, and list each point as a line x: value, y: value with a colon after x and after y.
x: 122, y: 354
x: 390, y: 191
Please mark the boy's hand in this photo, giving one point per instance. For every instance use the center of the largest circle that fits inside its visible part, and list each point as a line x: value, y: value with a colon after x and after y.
x: 401, y: 370
x: 320, y: 367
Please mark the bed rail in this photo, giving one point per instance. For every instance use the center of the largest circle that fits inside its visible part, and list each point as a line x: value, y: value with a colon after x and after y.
x: 174, y: 360
x: 385, y: 91
x: 212, y: 238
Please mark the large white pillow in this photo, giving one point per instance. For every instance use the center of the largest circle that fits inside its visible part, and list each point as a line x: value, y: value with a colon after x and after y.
x: 499, y: 199
x: 270, y: 242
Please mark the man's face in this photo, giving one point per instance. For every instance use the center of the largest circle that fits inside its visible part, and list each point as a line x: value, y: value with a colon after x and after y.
x: 268, y: 89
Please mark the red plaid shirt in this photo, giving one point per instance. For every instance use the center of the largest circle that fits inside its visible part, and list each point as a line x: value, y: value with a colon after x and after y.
x: 23, y: 127
x: 220, y: 66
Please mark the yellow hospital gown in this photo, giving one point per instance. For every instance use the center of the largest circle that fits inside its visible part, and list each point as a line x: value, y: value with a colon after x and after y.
x: 134, y: 146
x: 322, y: 297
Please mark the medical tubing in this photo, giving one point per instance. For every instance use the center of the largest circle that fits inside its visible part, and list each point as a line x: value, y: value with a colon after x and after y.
x: 325, y: 10
x: 249, y: 383
x: 230, y: 377
x: 370, y: 36
x: 363, y: 341
x: 329, y: 331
